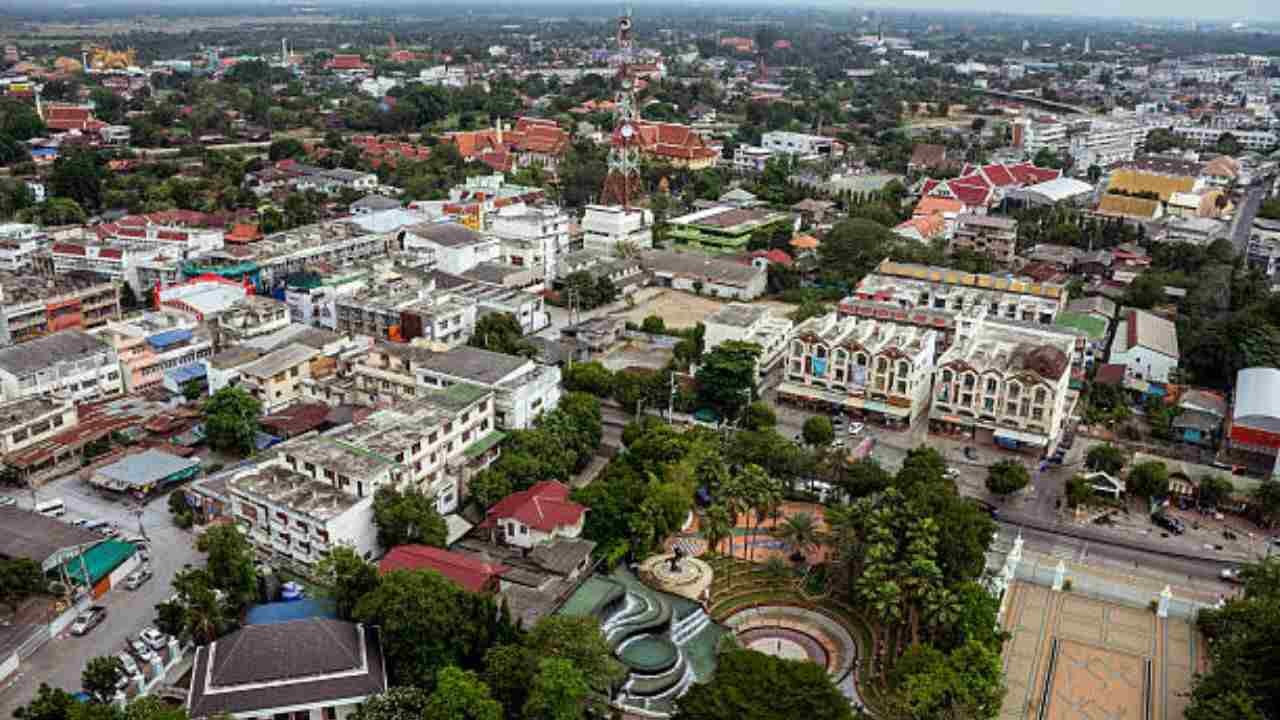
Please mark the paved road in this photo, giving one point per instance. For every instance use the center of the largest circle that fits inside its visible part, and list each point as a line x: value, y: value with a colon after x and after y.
x: 1243, y: 221
x: 60, y: 662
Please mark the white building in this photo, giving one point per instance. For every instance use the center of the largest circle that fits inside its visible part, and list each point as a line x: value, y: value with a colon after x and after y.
x: 531, y: 237
x: 1102, y: 142
x: 1146, y: 344
x: 454, y: 248
x: 1034, y: 134
x: 18, y: 242
x: 70, y: 363
x: 606, y: 227
x: 872, y: 369
x: 523, y: 390
x: 445, y: 76
x: 801, y: 145
x: 749, y: 323
x: 1254, y: 140
x: 537, y: 516
x: 750, y: 158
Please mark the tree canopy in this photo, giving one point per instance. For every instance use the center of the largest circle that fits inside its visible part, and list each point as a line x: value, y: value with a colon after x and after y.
x: 407, y: 517
x: 749, y: 684
x: 231, y: 420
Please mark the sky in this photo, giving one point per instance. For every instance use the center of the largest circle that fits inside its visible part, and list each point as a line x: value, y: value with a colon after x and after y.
x: 1233, y: 10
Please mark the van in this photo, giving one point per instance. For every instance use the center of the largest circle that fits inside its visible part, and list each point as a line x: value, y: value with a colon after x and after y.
x: 51, y: 508
x: 94, y: 524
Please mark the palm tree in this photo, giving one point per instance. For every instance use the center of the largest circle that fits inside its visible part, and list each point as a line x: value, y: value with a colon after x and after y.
x: 799, y: 533
x: 717, y: 526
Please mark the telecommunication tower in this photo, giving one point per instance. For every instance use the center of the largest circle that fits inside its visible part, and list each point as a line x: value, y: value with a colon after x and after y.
x: 622, y: 184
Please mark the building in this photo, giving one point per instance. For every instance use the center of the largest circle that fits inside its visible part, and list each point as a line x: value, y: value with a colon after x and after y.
x: 309, y: 669
x: 453, y: 248
x: 672, y: 143
x: 1007, y: 385
x: 46, y: 541
x: 1034, y: 134
x: 994, y: 237
x: 979, y: 188
x: 404, y: 310
x: 1263, y: 250
x: 725, y: 229
x: 154, y: 344
x: 275, y: 379
x: 26, y: 422
x: 203, y: 298
x: 751, y: 158
x: 33, y: 306
x: 1063, y: 190
x: 1200, y: 417
x: 70, y: 363
x: 18, y: 242
x: 523, y: 390
x: 870, y: 369
x: 141, y: 233
x: 1255, y: 412
x: 740, y: 322
x: 537, y: 516
x: 532, y: 238
x: 700, y: 274
x: 467, y: 572
x: 1103, y: 141
x: 1146, y: 344
x: 528, y: 308
x: 1208, y: 137
x: 801, y: 146
x: 249, y: 317
x: 608, y: 227
x: 144, y: 474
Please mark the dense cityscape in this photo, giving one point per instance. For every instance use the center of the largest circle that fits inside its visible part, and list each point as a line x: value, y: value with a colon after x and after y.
x: 703, y: 362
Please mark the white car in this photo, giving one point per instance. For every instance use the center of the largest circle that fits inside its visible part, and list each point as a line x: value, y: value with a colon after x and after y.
x: 141, y: 651
x: 857, y: 428
x: 130, y: 665
x: 951, y: 474
x: 7, y: 501
x: 837, y: 443
x: 154, y: 639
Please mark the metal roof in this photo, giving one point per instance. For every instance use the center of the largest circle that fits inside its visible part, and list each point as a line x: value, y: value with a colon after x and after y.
x: 1257, y: 400
x: 146, y: 468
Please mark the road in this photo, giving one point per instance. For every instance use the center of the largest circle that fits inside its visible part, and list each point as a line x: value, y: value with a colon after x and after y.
x: 60, y: 662
x: 1242, y: 224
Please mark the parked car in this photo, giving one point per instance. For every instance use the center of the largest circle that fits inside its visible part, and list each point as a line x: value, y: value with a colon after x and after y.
x: 951, y: 474
x: 154, y: 639
x: 88, y: 620
x: 141, y: 651
x: 130, y: 665
x: 8, y: 501
x: 1172, y: 524
x: 137, y: 578
x: 837, y: 443
x: 1231, y: 575
x: 857, y: 428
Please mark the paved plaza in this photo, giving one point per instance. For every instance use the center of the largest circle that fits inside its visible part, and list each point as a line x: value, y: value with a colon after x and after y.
x: 1098, y: 660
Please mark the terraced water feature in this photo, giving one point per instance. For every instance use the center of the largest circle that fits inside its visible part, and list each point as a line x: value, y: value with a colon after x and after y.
x: 666, y: 642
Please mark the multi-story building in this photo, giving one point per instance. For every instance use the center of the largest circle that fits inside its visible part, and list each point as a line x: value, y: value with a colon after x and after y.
x: 1034, y: 134
x: 989, y: 235
x: 18, y: 242
x: 402, y: 313
x: 951, y: 301
x: 607, y: 227
x: 33, y: 306
x: 1007, y: 384
x: 801, y: 145
x: 24, y: 423
x: 1146, y: 345
x: 249, y: 317
x: 1263, y: 250
x: 750, y: 323
x: 69, y: 363
x: 1254, y: 140
x: 528, y: 308
x: 704, y: 274
x: 183, y: 242
x: 450, y: 247
x: 154, y: 344
x: 751, y: 159
x: 275, y: 379
x: 871, y: 369
x: 532, y: 238
x: 522, y: 389
x: 725, y: 229
x: 1103, y: 141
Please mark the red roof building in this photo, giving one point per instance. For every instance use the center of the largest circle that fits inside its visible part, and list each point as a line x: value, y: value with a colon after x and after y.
x: 542, y: 513
x: 471, y: 574
x: 672, y: 142
x: 346, y: 62
x: 981, y: 187
x: 65, y: 118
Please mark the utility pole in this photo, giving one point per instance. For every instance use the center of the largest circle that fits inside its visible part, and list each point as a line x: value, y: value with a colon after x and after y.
x: 671, y: 400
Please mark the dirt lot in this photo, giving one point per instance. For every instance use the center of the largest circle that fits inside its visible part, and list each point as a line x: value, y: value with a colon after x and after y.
x: 682, y: 310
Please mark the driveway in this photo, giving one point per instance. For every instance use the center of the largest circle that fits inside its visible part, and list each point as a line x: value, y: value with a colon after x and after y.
x: 60, y: 662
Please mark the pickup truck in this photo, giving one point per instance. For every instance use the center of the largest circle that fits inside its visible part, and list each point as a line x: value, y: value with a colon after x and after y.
x: 88, y: 620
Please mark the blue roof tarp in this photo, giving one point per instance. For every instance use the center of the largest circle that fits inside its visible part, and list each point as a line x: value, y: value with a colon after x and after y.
x: 187, y: 373
x: 168, y: 338
x: 278, y: 612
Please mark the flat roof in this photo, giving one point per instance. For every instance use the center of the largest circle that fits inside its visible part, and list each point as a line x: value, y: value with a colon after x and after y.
x: 278, y: 361
x: 146, y: 468
x: 25, y: 534
x: 42, y: 353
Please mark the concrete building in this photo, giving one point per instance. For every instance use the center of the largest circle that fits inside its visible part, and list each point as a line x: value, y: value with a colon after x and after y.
x: 1205, y: 137
x: 154, y: 344
x: 71, y: 364
x: 606, y: 227
x: 249, y: 317
x: 33, y: 306
x: 18, y: 242
x: 1006, y: 385
x: 699, y: 273
x: 275, y: 379
x: 1033, y: 134
x: 802, y: 146
x: 989, y: 235
x: 871, y: 369
x: 405, y: 311
x: 523, y: 390
x: 750, y: 323
x: 538, y: 516
x: 455, y: 248
x: 24, y: 423
x: 725, y: 229
x: 1146, y: 345
x: 533, y: 238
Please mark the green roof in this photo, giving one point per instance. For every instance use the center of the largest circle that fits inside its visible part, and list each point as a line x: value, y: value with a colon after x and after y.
x: 99, y: 560
x: 1094, y: 327
x: 458, y: 395
x: 485, y: 443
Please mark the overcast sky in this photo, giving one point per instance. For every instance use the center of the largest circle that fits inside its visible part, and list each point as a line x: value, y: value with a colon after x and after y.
x: 1242, y: 10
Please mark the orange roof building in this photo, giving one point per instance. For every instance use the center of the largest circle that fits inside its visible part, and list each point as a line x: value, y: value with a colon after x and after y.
x: 937, y: 205
x: 804, y: 243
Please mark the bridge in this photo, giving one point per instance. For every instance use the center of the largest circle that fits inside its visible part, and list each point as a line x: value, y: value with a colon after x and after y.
x: 1039, y: 102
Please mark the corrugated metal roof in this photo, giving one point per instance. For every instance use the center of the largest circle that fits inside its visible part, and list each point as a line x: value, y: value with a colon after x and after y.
x: 168, y: 338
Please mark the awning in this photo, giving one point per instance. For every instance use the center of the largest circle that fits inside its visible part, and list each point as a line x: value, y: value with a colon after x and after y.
x: 1021, y: 437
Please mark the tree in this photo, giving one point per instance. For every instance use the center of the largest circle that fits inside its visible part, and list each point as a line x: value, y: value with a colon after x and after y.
x: 461, y: 695
x: 759, y: 416
x: 559, y: 692
x: 428, y: 623
x: 20, y: 578
x: 508, y: 671
x: 231, y: 420
x: 966, y: 682
x: 19, y: 120
x: 579, y: 641
x: 1266, y: 499
x: 1106, y: 458
x: 500, y: 332
x: 1149, y: 479
x: 179, y: 509
x: 853, y: 247
x: 285, y: 148
x: 716, y: 526
x: 798, y: 532
x: 77, y: 176
x: 488, y: 487
x: 1007, y: 477
x: 348, y: 578
x: 862, y: 478
x: 817, y: 431
x: 589, y: 377
x: 101, y: 676
x: 727, y: 376
x: 171, y: 618
x: 50, y: 703
x: 1078, y: 491
x: 1228, y: 144
x: 397, y: 703
x: 407, y: 518
x: 748, y: 684
x: 654, y: 325
x: 1214, y: 491
x: 150, y: 707
x: 230, y: 562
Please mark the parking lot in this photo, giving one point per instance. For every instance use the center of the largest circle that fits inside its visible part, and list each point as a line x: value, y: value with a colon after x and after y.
x: 61, y: 661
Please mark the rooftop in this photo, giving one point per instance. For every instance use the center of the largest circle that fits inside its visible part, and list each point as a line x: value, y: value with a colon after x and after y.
x: 738, y: 315
x: 16, y: 413
x: 25, y: 534
x: 281, y: 486
x: 41, y: 353
x: 472, y: 364
x: 278, y: 361
x: 699, y: 265
x: 145, y: 469
x: 20, y: 288
x: 469, y: 572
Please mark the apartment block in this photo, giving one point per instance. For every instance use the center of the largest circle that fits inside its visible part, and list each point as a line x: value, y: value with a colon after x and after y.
x: 35, y: 305
x: 69, y: 364
x: 989, y: 235
x: 154, y: 344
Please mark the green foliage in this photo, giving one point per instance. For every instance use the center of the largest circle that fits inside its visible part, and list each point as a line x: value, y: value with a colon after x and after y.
x: 49, y: 704
x: 19, y: 120
x: 1107, y: 458
x: 654, y: 325
x: 100, y: 677
x: 589, y: 377
x: 171, y: 618
x: 488, y: 487
x: 20, y: 578
x: 759, y: 416
x: 1270, y: 209
x: 967, y: 682
x: 77, y: 176
x: 817, y: 431
x: 460, y: 695
x: 183, y: 515
x: 397, y: 703
x: 1078, y: 491
x: 407, y: 518
x: 347, y: 577
x: 501, y: 332
x: 559, y: 692
x: 727, y: 376
x: 286, y: 149
x: 231, y: 420
x: 590, y: 292
x: 749, y: 684
x: 852, y: 248
x: 1149, y: 479
x: 1007, y: 477
x: 204, y: 615
x: 229, y: 562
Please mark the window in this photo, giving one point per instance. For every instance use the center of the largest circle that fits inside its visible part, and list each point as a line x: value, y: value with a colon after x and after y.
x: 524, y: 530
x: 1040, y: 395
x: 991, y: 385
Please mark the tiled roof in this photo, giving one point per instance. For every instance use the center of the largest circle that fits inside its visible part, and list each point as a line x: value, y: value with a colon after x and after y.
x: 1128, y: 206
x: 545, y: 506
x: 470, y: 573
x: 1136, y: 181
